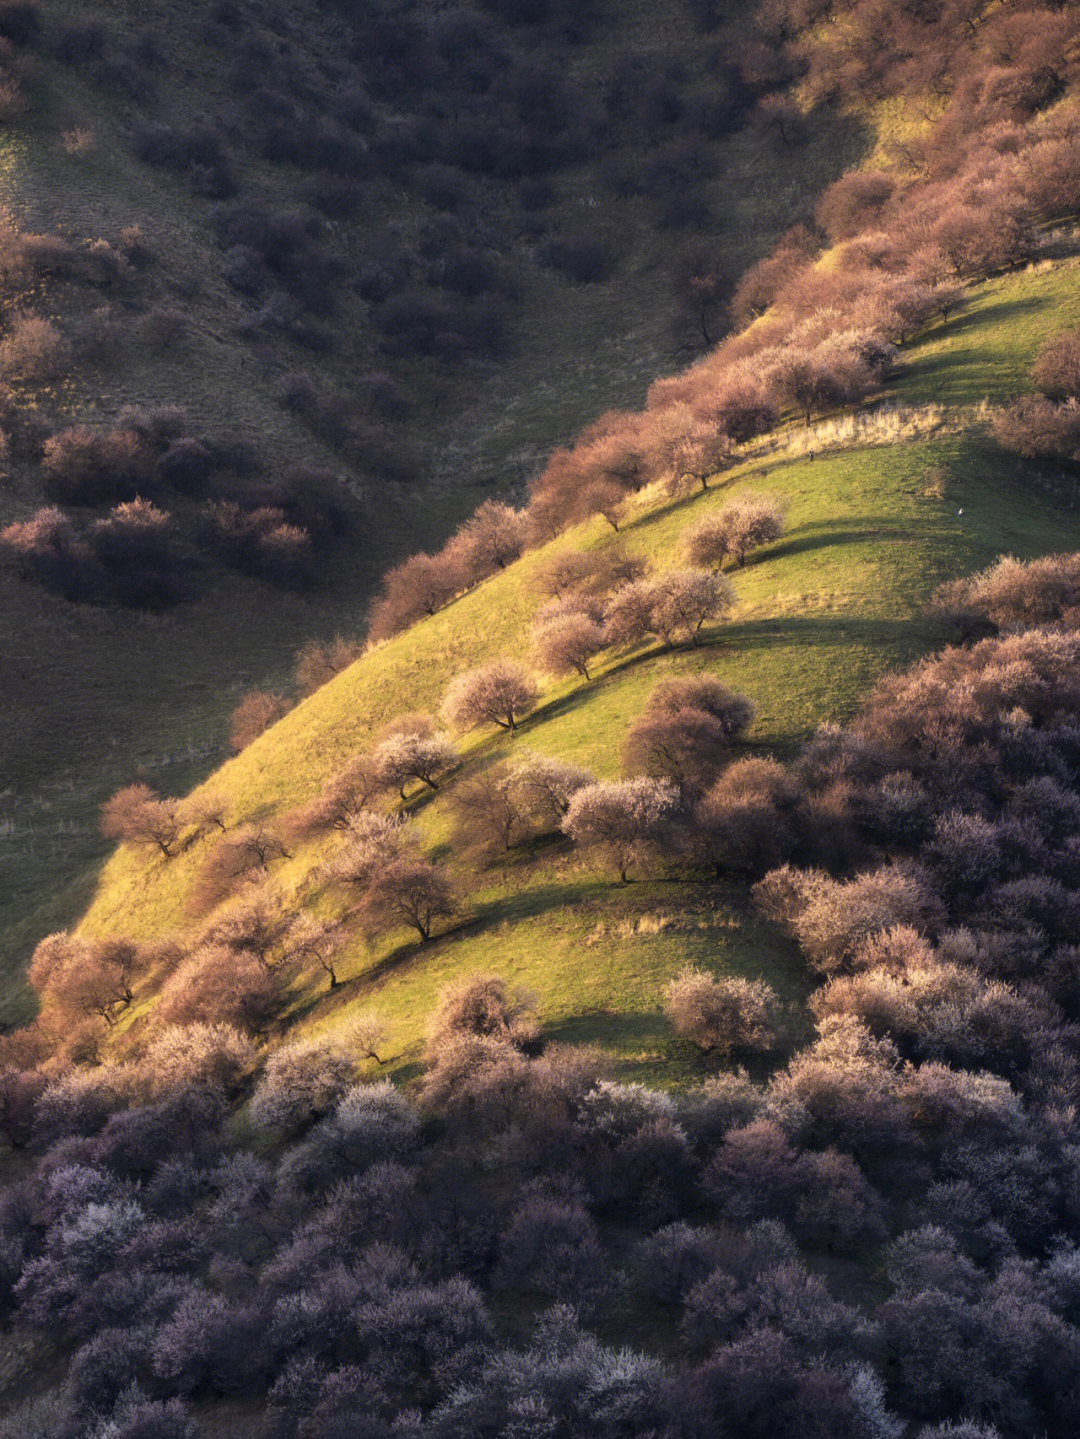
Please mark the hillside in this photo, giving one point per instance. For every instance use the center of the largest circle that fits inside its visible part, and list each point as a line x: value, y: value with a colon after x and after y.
x: 154, y: 691
x: 872, y: 528
x: 613, y: 472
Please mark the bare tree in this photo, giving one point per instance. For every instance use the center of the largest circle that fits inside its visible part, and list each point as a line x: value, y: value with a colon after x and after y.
x: 628, y: 614
x: 260, y: 923
x: 205, y: 810
x: 743, y: 822
x: 373, y: 840
x: 566, y: 644
x: 606, y: 497
x: 546, y: 786
x: 623, y: 819
x: 345, y: 796
x: 318, y: 662
x: 137, y: 814
x: 238, y: 855
x: 317, y: 940
x: 731, y: 533
x: 499, y: 693
x: 417, y: 587
x: 85, y: 975
x: 219, y: 985
x: 682, y: 601
x: 406, y: 756
x: 409, y: 891
x: 300, y: 1083
x: 587, y: 572
x: 366, y: 1033
x: 1057, y: 367
x: 256, y: 712
x: 487, y: 815
x: 493, y: 537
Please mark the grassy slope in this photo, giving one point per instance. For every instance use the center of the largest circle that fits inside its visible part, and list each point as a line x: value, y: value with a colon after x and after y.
x: 821, y: 614
x: 99, y: 698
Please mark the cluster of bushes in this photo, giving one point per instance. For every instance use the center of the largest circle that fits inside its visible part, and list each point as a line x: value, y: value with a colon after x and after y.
x: 497, y: 101
x: 354, y: 1250
x: 134, y: 554
x: 1046, y: 425
x: 594, y: 599
x: 129, y: 557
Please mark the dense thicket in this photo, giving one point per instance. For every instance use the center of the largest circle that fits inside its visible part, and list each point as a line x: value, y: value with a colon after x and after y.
x: 877, y: 1239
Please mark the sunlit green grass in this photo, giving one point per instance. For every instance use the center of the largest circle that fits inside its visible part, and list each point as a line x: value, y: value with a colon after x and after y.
x: 92, y: 699
x: 821, y: 614
x: 987, y: 350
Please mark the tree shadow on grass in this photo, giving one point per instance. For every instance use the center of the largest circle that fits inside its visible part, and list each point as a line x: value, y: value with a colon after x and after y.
x: 619, y: 1028
x: 802, y: 542
x: 524, y: 905
x: 822, y: 631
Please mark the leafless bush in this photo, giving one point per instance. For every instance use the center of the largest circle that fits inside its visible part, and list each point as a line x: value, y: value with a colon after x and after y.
x: 317, y: 663
x: 833, y: 920
x: 1037, y: 428
x: 481, y: 1006
x: 1057, y: 367
x: 256, y: 712
x: 87, y: 466
x: 33, y: 351
x: 686, y: 732
x: 743, y: 823
x: 137, y: 814
x: 219, y: 985
x: 79, y: 140
x: 162, y: 329
x: 727, y: 1015
x: 1014, y: 595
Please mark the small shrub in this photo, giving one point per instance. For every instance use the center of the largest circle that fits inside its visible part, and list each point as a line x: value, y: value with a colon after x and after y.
x: 257, y: 711
x: 33, y: 351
